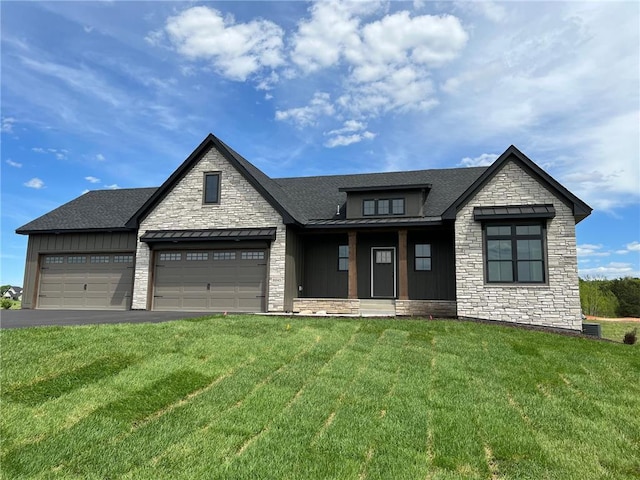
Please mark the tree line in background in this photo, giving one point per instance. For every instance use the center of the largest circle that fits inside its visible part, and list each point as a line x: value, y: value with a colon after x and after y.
x: 610, y: 298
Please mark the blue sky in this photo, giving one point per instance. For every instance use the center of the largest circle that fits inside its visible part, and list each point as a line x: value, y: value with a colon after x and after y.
x: 117, y: 94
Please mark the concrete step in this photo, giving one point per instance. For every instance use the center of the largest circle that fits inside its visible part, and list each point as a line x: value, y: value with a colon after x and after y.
x: 378, y: 307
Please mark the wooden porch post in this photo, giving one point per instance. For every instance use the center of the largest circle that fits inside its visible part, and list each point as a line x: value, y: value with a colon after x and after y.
x: 403, y: 273
x: 353, y: 270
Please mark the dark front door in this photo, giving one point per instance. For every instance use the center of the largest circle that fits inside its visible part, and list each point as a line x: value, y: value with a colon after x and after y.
x: 383, y: 272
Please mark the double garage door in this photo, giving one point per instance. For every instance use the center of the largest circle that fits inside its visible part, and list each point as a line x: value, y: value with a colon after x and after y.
x: 86, y: 281
x: 210, y: 280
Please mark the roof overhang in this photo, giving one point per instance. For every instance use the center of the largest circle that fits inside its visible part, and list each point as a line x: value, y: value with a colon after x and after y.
x: 514, y: 212
x: 209, y: 235
x: 375, y: 223
x: 23, y: 231
x: 381, y: 188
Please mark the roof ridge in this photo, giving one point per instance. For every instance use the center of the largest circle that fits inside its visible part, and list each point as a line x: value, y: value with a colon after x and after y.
x: 382, y: 173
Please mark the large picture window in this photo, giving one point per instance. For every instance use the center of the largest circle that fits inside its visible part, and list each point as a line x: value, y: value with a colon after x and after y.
x: 211, y: 188
x: 514, y: 253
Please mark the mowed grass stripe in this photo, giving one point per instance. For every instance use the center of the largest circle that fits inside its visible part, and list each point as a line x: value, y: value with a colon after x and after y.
x: 224, y: 436
x: 105, y: 426
x: 246, y: 397
x: 311, y: 427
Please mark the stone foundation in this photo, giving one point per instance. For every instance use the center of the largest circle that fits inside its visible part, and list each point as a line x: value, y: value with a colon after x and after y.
x: 425, y: 308
x: 335, y: 306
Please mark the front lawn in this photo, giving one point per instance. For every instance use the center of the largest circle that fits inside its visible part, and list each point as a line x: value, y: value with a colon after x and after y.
x: 265, y: 397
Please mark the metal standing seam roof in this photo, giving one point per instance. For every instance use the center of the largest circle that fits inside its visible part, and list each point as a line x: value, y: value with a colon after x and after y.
x: 514, y: 211
x: 209, y: 234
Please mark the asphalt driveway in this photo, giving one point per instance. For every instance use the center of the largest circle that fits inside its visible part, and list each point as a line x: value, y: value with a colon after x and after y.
x: 42, y: 318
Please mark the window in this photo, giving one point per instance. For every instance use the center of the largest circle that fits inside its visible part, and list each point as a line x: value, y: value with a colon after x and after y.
x: 123, y: 259
x: 397, y: 206
x: 252, y: 256
x: 54, y: 260
x: 383, y: 206
x: 423, y: 256
x: 343, y: 258
x: 211, y: 188
x: 383, y: 256
x: 170, y: 257
x: 99, y: 258
x: 217, y: 256
x: 197, y: 256
x: 514, y: 253
x: 369, y: 207
x: 78, y: 259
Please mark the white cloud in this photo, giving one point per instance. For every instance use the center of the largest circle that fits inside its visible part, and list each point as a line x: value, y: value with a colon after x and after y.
x: 344, y: 140
x: 34, y: 183
x: 60, y: 154
x: 320, y: 105
x: 633, y: 247
x: 388, y: 61
x: 237, y: 50
x: 610, y: 270
x: 7, y: 124
x: 11, y: 163
x: 114, y: 186
x: 92, y: 179
x: 591, y: 250
x: 351, y: 132
x: 486, y: 8
x: 84, y: 191
x: 480, y: 161
x: 88, y: 28
x: 321, y: 40
x: 100, y: 157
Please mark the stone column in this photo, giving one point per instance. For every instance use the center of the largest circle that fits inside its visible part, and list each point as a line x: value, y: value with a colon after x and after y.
x: 403, y: 273
x: 353, y: 269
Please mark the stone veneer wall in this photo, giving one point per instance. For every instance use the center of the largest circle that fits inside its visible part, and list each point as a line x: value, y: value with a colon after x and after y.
x: 555, y: 304
x: 336, y: 306
x: 424, y: 308
x: 241, y: 206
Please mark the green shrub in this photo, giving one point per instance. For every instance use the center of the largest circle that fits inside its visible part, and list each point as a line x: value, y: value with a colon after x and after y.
x: 6, y: 303
x: 630, y: 337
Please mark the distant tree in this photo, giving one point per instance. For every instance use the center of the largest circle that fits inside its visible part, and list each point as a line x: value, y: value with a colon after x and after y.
x: 4, y: 288
x: 596, y: 297
x: 627, y: 291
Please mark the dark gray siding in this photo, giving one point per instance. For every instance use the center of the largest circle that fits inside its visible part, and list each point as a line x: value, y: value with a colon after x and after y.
x: 293, y: 268
x: 38, y: 244
x: 440, y: 282
x: 321, y: 276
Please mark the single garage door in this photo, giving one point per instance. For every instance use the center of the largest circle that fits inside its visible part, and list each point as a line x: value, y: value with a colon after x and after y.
x: 210, y: 280
x: 86, y: 281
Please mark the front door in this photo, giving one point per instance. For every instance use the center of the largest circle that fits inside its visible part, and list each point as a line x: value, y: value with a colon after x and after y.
x: 383, y: 272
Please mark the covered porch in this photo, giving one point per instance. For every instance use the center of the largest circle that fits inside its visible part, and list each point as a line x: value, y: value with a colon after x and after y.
x: 407, y: 271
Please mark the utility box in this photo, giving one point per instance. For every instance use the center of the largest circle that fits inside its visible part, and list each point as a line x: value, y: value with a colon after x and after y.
x: 592, y: 329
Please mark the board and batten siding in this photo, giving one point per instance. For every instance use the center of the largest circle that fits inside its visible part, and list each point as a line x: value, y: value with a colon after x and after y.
x: 49, y: 243
x: 240, y: 206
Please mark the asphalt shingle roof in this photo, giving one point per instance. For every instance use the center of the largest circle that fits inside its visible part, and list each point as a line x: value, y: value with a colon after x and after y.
x: 307, y: 199
x: 318, y: 197
x: 98, y: 209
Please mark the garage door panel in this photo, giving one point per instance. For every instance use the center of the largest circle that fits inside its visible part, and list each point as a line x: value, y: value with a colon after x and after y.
x: 103, y: 284
x: 221, y: 280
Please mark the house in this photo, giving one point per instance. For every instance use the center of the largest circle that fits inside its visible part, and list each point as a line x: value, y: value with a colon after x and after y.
x: 13, y: 293
x: 218, y: 235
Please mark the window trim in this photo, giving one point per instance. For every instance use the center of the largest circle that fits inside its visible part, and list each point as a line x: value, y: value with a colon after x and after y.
x: 416, y: 257
x: 204, y: 187
x: 375, y: 207
x: 514, y: 237
x: 403, y: 206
